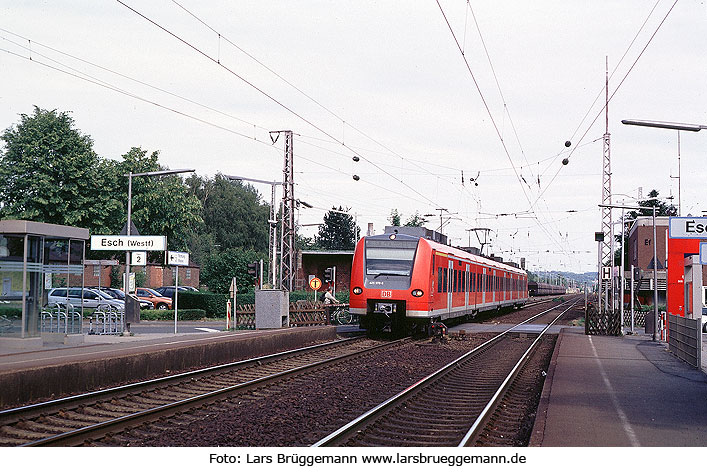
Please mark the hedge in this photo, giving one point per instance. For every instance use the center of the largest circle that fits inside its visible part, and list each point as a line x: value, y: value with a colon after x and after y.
x: 182, y: 315
x: 11, y: 312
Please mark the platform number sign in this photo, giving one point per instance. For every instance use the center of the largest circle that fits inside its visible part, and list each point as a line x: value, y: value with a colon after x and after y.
x: 138, y: 258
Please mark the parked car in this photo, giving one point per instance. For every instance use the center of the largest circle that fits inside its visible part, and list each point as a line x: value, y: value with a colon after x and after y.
x: 168, y: 291
x: 119, y: 294
x: 704, y: 319
x: 158, y: 300
x: 91, y: 298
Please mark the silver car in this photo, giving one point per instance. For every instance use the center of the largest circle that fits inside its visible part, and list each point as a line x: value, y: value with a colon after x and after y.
x: 91, y: 298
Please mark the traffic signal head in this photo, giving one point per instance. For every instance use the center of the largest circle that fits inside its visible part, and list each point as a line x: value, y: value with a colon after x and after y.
x: 328, y: 274
x: 253, y: 269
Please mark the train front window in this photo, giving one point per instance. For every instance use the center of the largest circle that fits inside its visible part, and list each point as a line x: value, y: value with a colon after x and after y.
x: 389, y: 261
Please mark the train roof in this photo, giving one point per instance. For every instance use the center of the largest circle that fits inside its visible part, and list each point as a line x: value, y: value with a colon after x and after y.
x: 449, y: 250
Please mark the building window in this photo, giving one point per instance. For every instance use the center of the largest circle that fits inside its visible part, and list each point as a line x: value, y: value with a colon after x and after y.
x: 96, y: 270
x: 188, y: 272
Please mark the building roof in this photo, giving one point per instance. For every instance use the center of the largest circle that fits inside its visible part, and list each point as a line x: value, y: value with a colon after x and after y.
x: 648, y: 221
x: 24, y: 227
x: 327, y: 252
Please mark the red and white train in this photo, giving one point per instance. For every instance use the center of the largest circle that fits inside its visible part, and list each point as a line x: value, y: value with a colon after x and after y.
x: 406, y: 283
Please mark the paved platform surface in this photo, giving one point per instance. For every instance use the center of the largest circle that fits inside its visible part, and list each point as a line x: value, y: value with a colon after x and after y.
x: 620, y: 392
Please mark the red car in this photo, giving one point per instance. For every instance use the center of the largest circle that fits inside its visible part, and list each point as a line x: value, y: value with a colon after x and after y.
x: 158, y: 300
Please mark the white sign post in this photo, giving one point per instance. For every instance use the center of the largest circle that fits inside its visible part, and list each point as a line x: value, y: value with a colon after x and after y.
x: 138, y: 258
x: 177, y: 258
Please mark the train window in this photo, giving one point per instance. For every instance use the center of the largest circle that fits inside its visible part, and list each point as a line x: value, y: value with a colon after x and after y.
x: 439, y: 280
x: 384, y: 259
x: 444, y: 284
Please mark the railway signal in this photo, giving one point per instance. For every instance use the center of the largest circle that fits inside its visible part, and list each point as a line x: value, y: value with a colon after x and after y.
x: 330, y: 274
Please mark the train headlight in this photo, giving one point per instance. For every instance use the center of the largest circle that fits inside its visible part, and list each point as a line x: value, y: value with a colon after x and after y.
x: 417, y: 293
x: 357, y: 290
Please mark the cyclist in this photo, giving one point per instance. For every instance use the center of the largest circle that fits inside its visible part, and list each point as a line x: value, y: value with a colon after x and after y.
x: 329, y: 297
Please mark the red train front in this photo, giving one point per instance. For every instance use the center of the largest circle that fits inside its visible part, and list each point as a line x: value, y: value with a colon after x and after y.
x: 404, y: 283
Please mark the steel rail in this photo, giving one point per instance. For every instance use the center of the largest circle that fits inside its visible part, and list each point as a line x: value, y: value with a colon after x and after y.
x: 47, y: 405
x: 370, y: 415
x: 98, y: 430
x: 487, y: 412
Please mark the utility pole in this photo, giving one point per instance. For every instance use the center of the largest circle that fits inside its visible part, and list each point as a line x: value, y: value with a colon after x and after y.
x: 605, y: 249
x: 288, y: 230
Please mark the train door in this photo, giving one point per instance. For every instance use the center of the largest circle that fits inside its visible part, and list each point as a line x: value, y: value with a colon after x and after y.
x: 483, y: 285
x: 450, y: 280
x: 467, y: 276
x: 493, y: 286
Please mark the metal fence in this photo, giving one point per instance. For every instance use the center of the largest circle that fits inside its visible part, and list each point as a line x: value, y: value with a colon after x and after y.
x: 685, y: 339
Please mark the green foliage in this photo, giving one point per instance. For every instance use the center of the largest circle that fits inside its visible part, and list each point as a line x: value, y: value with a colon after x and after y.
x: 140, y: 278
x: 161, y: 205
x: 338, y: 232
x: 11, y: 312
x: 166, y: 315
x: 213, y: 304
x: 394, y: 217
x: 116, y: 277
x: 219, y: 267
x: 233, y: 213
x: 50, y: 173
x: 416, y: 220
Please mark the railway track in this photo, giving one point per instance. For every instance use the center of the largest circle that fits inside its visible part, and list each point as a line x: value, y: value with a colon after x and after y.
x: 452, y: 406
x: 81, y: 418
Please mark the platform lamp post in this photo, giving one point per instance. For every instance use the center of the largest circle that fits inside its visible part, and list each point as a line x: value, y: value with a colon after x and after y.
x: 676, y: 126
x: 130, y: 176
x: 655, y: 263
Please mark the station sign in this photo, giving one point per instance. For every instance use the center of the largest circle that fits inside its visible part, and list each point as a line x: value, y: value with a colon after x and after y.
x: 128, y: 243
x: 688, y: 227
x: 177, y: 258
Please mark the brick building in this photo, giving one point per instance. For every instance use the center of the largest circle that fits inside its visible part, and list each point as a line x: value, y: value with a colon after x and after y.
x: 156, y: 275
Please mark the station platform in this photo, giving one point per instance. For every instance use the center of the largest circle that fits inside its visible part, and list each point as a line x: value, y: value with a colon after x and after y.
x: 604, y: 391
x: 100, y: 361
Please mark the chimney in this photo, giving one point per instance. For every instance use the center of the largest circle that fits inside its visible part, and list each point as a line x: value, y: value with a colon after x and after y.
x: 370, y: 230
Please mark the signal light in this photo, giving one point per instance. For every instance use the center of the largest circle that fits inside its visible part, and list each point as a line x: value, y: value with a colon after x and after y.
x: 417, y: 293
x: 329, y: 274
x: 357, y: 290
x: 253, y: 269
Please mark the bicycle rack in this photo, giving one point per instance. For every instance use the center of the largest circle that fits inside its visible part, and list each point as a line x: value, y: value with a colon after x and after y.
x: 109, y: 320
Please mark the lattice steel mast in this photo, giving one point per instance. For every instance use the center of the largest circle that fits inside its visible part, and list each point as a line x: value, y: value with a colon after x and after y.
x: 288, y: 265
x: 605, y: 254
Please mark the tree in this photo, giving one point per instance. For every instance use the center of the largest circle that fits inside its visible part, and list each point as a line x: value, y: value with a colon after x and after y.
x: 338, y: 232
x: 233, y: 212
x: 219, y: 267
x: 416, y: 220
x: 394, y: 217
x: 50, y: 173
x: 662, y: 208
x: 161, y: 205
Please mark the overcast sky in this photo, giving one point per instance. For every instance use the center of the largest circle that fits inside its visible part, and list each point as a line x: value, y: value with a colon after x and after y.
x: 386, y: 81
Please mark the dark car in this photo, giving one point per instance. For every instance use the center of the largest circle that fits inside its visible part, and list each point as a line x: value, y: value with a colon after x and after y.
x: 119, y: 294
x: 168, y: 291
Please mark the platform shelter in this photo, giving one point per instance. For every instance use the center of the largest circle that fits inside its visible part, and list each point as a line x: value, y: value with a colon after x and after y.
x: 34, y: 257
